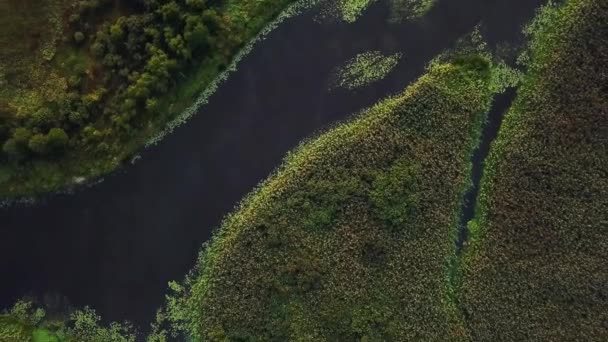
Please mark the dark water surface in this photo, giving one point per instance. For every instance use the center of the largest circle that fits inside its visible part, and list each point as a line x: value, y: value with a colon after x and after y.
x: 116, y: 245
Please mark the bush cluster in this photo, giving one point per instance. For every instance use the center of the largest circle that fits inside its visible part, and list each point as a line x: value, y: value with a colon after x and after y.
x: 116, y: 77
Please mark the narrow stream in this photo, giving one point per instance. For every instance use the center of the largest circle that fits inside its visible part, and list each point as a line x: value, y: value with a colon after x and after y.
x: 115, y: 246
x: 500, y: 106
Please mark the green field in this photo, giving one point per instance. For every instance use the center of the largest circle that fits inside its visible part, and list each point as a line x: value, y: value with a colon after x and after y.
x: 85, y: 84
x: 536, y: 267
x: 353, y: 237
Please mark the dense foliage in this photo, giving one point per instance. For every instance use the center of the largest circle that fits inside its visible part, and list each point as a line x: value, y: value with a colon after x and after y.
x: 353, y: 237
x: 536, y: 267
x: 92, y: 80
x: 27, y: 323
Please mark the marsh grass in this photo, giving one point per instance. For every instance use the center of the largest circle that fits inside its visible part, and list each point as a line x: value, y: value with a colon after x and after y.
x: 535, y: 265
x: 318, y: 250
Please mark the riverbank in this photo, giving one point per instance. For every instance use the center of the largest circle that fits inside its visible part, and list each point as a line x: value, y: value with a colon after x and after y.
x: 35, y: 161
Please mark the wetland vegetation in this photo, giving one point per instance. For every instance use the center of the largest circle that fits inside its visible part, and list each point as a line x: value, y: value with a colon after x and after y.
x: 354, y: 236
x: 363, y: 69
x: 535, y: 266
x: 320, y: 250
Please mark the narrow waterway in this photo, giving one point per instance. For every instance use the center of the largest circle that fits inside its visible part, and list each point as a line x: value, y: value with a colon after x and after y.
x: 116, y: 245
x: 490, y: 130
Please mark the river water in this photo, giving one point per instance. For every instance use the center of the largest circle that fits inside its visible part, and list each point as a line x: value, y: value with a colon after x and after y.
x: 115, y: 246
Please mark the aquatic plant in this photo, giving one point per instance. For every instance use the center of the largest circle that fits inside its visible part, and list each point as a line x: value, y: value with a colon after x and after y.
x: 25, y: 322
x: 363, y: 69
x: 352, y: 237
x: 535, y: 267
x: 343, y: 10
x: 401, y: 10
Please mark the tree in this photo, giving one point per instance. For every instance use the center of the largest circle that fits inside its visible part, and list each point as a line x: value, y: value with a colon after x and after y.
x: 169, y: 11
x: 53, y: 142
x: 22, y: 135
x: 98, y: 49
x: 196, y: 4
x: 44, y: 117
x: 116, y: 30
x: 177, y: 45
x: 78, y: 37
x: 38, y: 144
x: 196, y: 33
x: 57, y: 139
x: 16, y: 146
x: 11, y: 149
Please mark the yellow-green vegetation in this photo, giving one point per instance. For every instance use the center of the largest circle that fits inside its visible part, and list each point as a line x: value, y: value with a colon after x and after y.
x: 352, y: 238
x: 84, y: 84
x: 345, y: 10
x: 26, y: 323
x: 409, y: 9
x: 503, y: 76
x: 535, y: 269
x: 363, y: 69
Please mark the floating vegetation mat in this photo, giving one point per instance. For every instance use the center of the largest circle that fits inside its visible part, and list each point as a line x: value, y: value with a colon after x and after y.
x: 402, y: 10
x: 343, y: 10
x: 363, y: 69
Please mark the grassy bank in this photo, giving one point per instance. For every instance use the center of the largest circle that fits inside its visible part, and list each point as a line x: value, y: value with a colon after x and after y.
x: 93, y: 81
x: 353, y: 236
x: 535, y: 269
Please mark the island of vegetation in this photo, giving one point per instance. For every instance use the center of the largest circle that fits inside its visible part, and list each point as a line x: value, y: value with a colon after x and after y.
x: 535, y: 269
x: 349, y: 11
x: 353, y: 237
x: 84, y: 84
x: 363, y: 69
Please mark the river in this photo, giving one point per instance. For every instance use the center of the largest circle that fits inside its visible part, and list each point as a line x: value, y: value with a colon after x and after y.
x: 114, y: 246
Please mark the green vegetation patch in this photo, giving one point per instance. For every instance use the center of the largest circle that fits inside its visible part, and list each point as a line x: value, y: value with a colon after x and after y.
x: 536, y: 266
x: 343, y: 10
x: 26, y: 323
x: 363, y: 69
x: 353, y: 237
x: 401, y: 10
x: 85, y: 84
